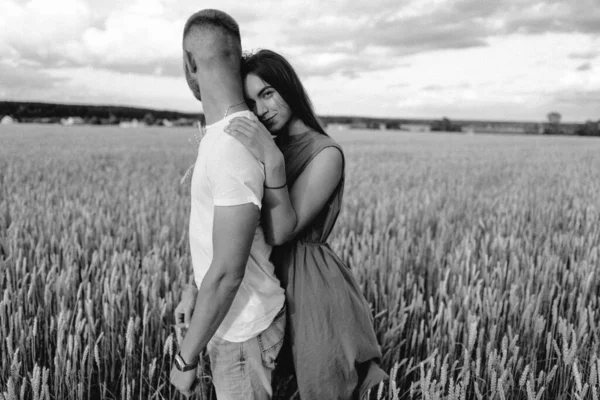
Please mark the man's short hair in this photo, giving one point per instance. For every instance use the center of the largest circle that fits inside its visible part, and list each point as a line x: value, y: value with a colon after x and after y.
x: 215, y: 19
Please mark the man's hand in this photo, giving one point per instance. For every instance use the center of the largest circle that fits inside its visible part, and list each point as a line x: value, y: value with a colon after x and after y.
x: 185, y: 308
x: 183, y: 381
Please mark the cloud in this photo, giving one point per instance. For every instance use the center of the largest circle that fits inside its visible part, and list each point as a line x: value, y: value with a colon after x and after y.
x: 441, y: 88
x: 584, y: 67
x: 143, y: 36
x: 102, y: 86
x: 385, y: 31
x: 586, y: 55
x: 578, y: 97
x: 428, y: 26
x: 25, y: 81
x: 400, y: 35
x: 556, y: 17
x: 132, y: 37
x: 348, y: 65
x: 376, y: 57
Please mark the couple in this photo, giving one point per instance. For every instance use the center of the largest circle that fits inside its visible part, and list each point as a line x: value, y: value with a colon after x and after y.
x: 250, y: 192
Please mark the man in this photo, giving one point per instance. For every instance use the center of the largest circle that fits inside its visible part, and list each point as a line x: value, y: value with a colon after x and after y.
x: 238, y: 313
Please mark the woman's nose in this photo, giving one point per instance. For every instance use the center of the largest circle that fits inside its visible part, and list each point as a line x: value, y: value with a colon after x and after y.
x: 261, y: 109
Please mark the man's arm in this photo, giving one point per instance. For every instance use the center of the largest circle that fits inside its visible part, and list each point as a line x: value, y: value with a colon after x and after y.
x: 233, y: 232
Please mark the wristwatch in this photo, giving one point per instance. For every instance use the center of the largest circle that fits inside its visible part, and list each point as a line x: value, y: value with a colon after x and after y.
x: 181, y: 364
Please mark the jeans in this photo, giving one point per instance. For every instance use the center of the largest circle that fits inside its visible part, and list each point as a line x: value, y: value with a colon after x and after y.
x: 243, y: 370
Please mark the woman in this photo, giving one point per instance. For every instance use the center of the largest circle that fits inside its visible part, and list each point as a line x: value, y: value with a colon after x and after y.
x: 333, y: 343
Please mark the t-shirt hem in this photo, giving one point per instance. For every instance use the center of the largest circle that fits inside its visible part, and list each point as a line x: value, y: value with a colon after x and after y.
x: 259, y: 324
x: 236, y: 202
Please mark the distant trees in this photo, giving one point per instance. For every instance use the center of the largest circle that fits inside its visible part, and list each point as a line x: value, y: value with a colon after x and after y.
x: 590, y: 128
x: 553, y: 125
x: 445, y: 125
x: 149, y: 119
x: 554, y: 117
x: 112, y: 119
x: 533, y: 129
x: 94, y: 120
x: 40, y: 112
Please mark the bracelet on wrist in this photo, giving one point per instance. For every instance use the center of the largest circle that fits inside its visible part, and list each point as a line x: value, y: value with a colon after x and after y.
x: 276, y: 187
x: 183, y: 366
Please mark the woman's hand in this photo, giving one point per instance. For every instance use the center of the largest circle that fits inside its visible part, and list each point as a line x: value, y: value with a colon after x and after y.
x: 256, y: 138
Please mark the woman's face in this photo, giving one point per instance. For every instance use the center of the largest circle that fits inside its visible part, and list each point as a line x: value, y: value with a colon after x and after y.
x: 267, y: 104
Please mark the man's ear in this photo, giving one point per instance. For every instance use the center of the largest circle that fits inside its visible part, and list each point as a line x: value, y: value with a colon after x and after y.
x: 189, y: 62
x: 190, y: 68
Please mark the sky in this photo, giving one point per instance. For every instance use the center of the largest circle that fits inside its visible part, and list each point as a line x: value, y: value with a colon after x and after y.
x: 462, y: 59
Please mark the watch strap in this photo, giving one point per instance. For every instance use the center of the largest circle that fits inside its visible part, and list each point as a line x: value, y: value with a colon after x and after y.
x: 183, y: 366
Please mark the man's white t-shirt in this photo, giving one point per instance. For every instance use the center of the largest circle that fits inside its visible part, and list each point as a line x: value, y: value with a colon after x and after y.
x: 227, y: 174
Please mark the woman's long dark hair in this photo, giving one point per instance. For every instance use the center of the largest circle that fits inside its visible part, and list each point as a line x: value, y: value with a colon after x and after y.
x: 274, y: 69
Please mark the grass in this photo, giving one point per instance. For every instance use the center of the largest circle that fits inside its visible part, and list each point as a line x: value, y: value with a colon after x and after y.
x: 478, y: 254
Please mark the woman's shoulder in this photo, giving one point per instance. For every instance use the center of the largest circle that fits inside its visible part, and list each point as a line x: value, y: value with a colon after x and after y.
x: 321, y: 140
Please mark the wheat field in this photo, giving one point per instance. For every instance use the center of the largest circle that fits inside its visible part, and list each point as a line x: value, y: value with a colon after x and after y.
x: 479, y: 256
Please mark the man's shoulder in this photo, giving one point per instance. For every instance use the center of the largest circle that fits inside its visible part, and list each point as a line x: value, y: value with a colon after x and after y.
x: 226, y: 146
x: 225, y: 154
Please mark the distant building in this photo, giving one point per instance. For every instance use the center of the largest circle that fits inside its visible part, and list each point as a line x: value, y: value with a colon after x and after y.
x: 494, y: 127
x: 167, y: 123
x: 134, y: 123
x: 7, y: 120
x: 72, y: 121
x: 359, y: 125
x: 338, y: 127
x: 184, y: 122
x: 415, y: 127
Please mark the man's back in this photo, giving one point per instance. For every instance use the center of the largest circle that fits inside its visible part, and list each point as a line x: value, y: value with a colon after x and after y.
x: 226, y: 174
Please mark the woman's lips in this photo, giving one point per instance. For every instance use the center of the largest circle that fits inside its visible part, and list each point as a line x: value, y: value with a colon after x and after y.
x: 269, y: 120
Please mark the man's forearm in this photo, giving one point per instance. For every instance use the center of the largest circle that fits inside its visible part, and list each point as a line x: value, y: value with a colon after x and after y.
x: 215, y: 296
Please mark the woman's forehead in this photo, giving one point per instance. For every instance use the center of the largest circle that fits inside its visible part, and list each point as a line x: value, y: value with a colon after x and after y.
x: 254, y: 83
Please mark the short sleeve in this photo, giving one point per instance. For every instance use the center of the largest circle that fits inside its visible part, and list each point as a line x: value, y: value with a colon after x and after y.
x: 236, y: 177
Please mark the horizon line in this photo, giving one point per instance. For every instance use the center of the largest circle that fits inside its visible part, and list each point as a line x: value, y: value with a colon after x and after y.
x: 319, y: 115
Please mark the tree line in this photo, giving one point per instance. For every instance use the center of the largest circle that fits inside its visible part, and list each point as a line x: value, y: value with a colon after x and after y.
x: 113, y: 115
x: 95, y: 115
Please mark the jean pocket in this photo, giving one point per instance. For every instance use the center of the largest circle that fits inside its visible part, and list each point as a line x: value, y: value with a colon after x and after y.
x: 271, y: 339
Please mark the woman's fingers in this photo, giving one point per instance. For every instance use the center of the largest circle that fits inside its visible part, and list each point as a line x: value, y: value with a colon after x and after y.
x: 247, y: 143
x: 246, y: 125
x: 240, y: 128
x: 241, y: 137
x: 240, y: 121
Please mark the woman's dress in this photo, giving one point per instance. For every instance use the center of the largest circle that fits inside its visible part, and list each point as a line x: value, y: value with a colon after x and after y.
x: 330, y: 327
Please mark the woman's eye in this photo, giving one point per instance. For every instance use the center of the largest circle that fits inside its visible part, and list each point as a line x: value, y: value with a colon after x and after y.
x: 267, y: 94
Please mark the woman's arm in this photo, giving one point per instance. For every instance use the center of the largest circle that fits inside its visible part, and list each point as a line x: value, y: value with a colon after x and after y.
x: 287, y: 211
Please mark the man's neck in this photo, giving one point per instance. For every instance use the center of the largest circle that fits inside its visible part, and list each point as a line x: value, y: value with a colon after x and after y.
x: 216, y: 110
x: 221, y: 93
